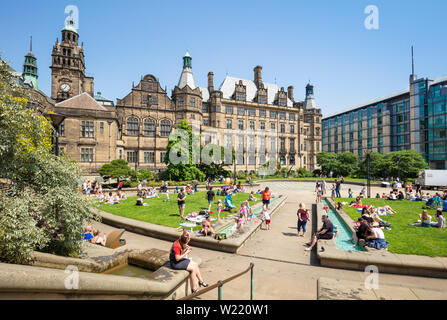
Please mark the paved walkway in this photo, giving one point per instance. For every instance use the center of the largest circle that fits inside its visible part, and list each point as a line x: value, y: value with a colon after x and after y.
x: 282, y: 269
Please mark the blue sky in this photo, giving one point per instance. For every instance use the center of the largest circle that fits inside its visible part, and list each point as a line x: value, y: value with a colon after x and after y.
x: 294, y: 41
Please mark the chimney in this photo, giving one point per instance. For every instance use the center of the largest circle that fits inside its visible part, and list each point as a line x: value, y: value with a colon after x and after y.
x: 290, y: 92
x: 210, y: 82
x: 258, y: 75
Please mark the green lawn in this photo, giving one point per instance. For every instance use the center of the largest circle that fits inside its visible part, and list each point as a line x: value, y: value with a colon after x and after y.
x: 403, y: 238
x: 167, y: 213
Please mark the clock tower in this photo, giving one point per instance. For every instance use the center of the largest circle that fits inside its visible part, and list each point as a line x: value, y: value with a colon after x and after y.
x: 68, y: 77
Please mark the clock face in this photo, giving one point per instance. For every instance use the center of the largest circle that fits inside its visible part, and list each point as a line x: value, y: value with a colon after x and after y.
x: 65, y: 87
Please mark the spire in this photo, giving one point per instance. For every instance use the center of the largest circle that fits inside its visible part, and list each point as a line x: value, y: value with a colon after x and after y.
x: 187, y: 78
x: 309, y: 103
x: 412, y: 61
x: 30, y: 68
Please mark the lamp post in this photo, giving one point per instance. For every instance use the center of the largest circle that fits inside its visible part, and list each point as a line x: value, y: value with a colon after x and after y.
x: 56, y: 120
x: 368, y: 160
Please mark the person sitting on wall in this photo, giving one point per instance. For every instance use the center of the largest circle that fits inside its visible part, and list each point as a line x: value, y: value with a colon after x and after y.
x: 97, y: 239
x: 360, y: 227
x: 207, y: 228
x: 178, y: 259
x: 88, y: 235
x: 326, y: 232
x: 375, y: 238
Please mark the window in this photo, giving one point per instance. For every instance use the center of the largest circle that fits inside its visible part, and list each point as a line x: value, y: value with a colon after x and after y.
x: 121, y: 154
x: 273, y: 114
x: 205, y: 108
x: 149, y: 128
x: 262, y: 113
x: 206, y: 122
x: 262, y: 125
x: 272, y: 126
x: 282, y: 102
x: 149, y: 157
x: 87, y: 129
x: 292, y: 145
x: 132, y: 126
x: 162, y: 156
x: 282, y: 115
x: 305, y: 146
x: 308, y: 120
x: 282, y: 160
x: 229, y: 109
x: 132, y: 157
x: 292, y: 128
x: 86, y: 154
x: 192, y: 116
x: 251, y: 112
x: 62, y: 129
x: 154, y: 100
x: 241, y: 125
x: 282, y: 145
x: 101, y: 127
x: 192, y: 102
x: 291, y: 116
x: 252, y: 125
x: 165, y: 129
x: 283, y: 128
x: 292, y: 160
x: 240, y: 96
x: 241, y: 111
x: 180, y: 102
x: 262, y: 99
x: 61, y: 151
x: 229, y: 124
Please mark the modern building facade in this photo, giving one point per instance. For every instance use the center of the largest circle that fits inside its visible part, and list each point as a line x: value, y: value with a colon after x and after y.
x: 257, y: 119
x: 413, y: 118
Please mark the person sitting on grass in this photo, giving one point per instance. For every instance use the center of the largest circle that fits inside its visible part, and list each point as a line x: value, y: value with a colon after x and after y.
x: 252, y: 197
x: 141, y: 203
x: 440, y: 220
x: 425, y: 220
x: 326, y: 232
x: 357, y: 203
x: 207, y: 229
x: 400, y: 196
x: 375, y: 238
x: 97, y: 239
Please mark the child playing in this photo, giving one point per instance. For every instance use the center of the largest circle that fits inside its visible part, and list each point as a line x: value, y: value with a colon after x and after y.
x: 219, y: 208
x: 252, y: 197
x: 166, y: 196
x: 266, y: 216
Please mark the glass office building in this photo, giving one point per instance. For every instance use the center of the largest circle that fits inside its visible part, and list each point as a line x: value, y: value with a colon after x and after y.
x: 413, y: 118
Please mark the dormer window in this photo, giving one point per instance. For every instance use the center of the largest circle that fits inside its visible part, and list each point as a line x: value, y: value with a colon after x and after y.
x: 282, y: 102
x: 262, y: 99
x: 240, y: 96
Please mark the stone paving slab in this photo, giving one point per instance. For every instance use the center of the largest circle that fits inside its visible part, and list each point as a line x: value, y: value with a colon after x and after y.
x: 335, y: 289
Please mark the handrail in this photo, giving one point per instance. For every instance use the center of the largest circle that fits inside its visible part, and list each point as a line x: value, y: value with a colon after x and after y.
x: 220, y: 283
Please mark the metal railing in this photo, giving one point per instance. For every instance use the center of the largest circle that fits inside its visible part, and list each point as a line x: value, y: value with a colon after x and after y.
x: 219, y: 284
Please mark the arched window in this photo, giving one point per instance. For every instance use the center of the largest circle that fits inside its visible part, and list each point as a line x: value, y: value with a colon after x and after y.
x: 149, y: 128
x: 282, y: 160
x: 132, y: 126
x: 165, y: 128
x: 292, y: 160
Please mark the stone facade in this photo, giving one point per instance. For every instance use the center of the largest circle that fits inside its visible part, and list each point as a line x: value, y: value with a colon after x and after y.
x: 256, y: 118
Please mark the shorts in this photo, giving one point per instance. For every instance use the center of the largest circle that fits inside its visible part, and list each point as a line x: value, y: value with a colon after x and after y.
x: 210, y: 202
x: 267, y: 221
x: 181, y: 205
x: 266, y: 201
x: 325, y: 236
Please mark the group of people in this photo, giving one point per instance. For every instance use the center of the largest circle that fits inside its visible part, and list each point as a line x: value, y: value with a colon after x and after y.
x: 426, y: 220
x: 110, y: 198
x: 321, y: 189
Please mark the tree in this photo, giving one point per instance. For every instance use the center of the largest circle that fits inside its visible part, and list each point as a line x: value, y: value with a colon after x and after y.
x: 347, y: 164
x: 216, y: 168
x: 405, y: 164
x: 377, y: 165
x: 328, y: 162
x: 181, y: 155
x: 40, y: 205
x: 116, y: 169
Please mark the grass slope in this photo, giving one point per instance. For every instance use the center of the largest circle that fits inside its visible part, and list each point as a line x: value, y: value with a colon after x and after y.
x: 403, y: 238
